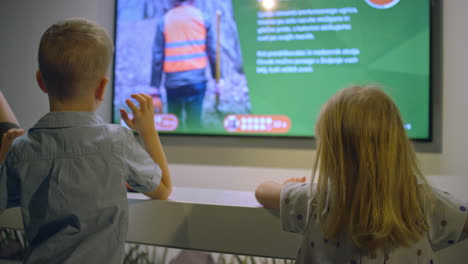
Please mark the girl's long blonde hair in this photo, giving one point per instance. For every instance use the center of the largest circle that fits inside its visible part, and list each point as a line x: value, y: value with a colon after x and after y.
x: 370, y: 186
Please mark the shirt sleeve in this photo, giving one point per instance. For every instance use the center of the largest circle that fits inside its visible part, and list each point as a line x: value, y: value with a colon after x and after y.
x: 144, y: 175
x: 294, y: 207
x: 446, y: 220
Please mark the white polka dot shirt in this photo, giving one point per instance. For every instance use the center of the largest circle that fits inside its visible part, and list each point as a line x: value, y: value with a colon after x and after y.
x: 446, y: 224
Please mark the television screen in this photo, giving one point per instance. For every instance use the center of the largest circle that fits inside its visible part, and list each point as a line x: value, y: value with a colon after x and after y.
x: 265, y: 67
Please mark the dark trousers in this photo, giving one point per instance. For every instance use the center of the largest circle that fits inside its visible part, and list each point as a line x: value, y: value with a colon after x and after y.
x: 187, y: 101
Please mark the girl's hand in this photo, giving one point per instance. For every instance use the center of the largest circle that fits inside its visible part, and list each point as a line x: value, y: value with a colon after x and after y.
x: 143, y: 118
x: 7, y: 140
x: 303, y: 179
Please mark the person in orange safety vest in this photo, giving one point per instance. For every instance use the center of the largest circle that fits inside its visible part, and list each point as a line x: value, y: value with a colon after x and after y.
x: 184, y: 45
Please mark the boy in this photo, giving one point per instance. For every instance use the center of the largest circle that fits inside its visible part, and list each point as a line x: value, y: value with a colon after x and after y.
x: 68, y: 173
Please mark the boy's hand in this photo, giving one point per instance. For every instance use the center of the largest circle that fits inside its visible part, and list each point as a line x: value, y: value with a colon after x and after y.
x: 143, y: 117
x: 303, y: 179
x: 7, y: 140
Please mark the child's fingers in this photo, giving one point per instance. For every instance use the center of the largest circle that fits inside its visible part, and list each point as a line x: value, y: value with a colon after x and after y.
x: 126, y: 118
x: 303, y: 179
x: 16, y: 132
x: 20, y: 132
x: 124, y: 115
x: 5, y: 139
x: 132, y: 106
x: 289, y: 180
x: 141, y: 100
x: 149, y: 101
x: 9, y: 136
x: 147, y: 97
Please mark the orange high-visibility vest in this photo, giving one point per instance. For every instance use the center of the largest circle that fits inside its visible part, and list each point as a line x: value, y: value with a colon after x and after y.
x: 185, y: 40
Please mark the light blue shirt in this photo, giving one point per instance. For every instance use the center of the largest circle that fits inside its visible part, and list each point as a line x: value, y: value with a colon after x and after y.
x: 68, y: 175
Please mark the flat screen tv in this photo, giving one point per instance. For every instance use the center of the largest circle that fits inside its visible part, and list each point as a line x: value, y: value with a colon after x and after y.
x: 265, y: 67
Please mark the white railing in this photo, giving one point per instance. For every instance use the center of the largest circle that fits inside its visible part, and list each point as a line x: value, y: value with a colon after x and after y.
x: 236, y: 225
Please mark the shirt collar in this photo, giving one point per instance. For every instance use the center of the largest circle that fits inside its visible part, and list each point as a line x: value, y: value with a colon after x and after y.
x: 68, y: 119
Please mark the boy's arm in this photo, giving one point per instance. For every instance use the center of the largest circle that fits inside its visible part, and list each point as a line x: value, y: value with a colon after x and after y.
x: 143, y: 123
x: 268, y: 193
x: 154, y: 148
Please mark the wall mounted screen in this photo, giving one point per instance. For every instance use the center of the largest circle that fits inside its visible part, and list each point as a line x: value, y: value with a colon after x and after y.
x: 265, y: 67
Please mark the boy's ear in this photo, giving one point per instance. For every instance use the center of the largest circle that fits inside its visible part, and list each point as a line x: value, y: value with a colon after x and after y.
x: 101, y: 89
x: 40, y: 82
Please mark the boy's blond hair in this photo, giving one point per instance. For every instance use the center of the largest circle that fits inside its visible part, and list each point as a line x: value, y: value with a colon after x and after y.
x: 369, y: 180
x: 74, y: 55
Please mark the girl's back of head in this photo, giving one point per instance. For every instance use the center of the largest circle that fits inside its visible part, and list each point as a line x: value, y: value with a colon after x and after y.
x: 369, y: 181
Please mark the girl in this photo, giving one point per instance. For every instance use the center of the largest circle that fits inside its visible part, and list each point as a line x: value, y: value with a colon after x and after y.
x: 371, y: 204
